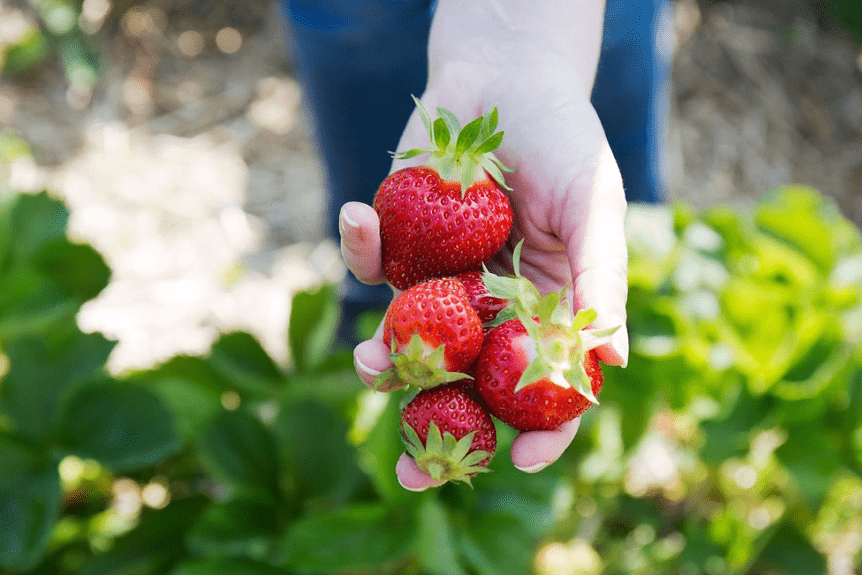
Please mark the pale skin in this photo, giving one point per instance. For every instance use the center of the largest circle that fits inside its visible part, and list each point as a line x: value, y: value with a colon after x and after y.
x: 536, y: 62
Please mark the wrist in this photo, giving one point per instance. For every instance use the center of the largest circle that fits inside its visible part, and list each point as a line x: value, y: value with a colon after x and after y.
x: 519, y: 33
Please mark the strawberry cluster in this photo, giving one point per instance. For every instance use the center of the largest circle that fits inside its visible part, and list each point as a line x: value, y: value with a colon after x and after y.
x: 476, y: 345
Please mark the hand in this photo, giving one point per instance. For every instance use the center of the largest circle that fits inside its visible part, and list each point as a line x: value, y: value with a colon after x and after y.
x: 567, y: 198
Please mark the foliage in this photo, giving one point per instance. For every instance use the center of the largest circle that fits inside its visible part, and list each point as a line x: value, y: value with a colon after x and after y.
x: 54, y: 30
x: 732, y: 443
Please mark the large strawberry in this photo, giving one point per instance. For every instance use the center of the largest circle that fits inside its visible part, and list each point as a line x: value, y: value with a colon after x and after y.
x: 434, y: 333
x: 451, y: 214
x: 448, y: 433
x: 540, y: 369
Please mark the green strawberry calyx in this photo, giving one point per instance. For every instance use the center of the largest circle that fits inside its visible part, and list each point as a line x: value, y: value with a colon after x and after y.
x: 559, y: 342
x: 418, y: 365
x: 442, y: 456
x: 516, y: 289
x: 463, y: 154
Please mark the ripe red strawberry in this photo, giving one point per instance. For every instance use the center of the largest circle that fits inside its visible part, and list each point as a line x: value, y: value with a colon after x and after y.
x: 538, y: 370
x: 545, y: 403
x: 434, y: 333
x: 486, y: 305
x: 449, y: 215
x: 448, y: 433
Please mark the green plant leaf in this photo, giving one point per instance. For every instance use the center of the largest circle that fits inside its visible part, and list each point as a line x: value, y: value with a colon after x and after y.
x: 37, y: 220
x: 801, y: 217
x: 190, y: 368
x: 335, y: 386
x: 240, y: 358
x: 226, y: 567
x: 490, y: 144
x: 29, y: 504
x: 450, y: 119
x: 353, y: 538
x: 157, y: 541
x: 790, y: 552
x: 314, y: 317
x: 78, y: 269
x: 122, y: 425
x: 238, y: 448
x: 313, y: 444
x: 27, y: 54
x: 381, y: 450
x: 33, y: 305
x: 729, y: 434
x: 192, y: 405
x: 813, y: 456
x: 468, y: 136
x: 436, y: 544
x: 41, y: 375
x: 496, y: 544
x: 441, y: 134
x: 243, y: 527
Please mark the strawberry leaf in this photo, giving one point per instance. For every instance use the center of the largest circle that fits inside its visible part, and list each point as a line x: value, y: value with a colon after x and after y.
x: 593, y: 338
x: 441, y: 134
x: 462, y: 446
x: 506, y: 314
x: 434, y: 441
x: 408, y: 154
x: 474, y: 458
x: 468, y: 171
x: 467, y: 136
x: 583, y: 318
x: 536, y: 370
x: 446, y: 167
x: 490, y: 144
x: 499, y: 163
x: 423, y: 114
x: 516, y: 258
x: 450, y: 119
x: 578, y: 378
x: 491, y: 168
x: 491, y: 121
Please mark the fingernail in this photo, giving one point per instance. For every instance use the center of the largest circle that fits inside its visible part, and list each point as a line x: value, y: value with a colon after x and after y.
x: 534, y: 468
x: 364, y: 368
x: 346, y: 219
x: 620, y: 339
x: 413, y: 489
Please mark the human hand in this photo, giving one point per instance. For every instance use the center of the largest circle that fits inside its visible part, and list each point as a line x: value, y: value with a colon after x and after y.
x: 567, y: 198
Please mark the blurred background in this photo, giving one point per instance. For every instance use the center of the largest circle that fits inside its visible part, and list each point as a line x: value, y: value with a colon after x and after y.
x: 159, y: 415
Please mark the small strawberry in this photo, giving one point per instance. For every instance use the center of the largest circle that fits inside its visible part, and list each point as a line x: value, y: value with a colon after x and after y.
x: 434, y: 333
x: 451, y: 214
x: 538, y: 370
x: 448, y: 433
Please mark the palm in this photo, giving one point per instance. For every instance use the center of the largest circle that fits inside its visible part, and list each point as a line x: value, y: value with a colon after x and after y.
x: 568, y: 203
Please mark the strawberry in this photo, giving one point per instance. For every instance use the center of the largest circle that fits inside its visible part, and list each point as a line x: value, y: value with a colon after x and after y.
x: 434, y: 333
x: 448, y: 433
x: 538, y: 370
x: 487, y: 306
x: 451, y: 214
x: 544, y: 403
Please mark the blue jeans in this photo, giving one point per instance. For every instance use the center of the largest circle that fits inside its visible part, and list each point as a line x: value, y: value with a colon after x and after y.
x: 358, y: 62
